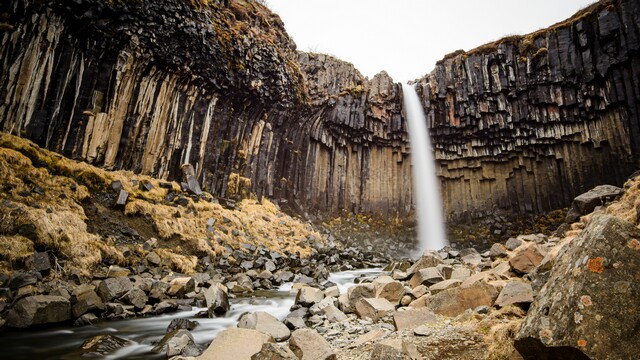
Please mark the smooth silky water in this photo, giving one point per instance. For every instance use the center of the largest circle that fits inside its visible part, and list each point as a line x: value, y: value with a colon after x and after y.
x: 62, y: 342
x: 431, y: 229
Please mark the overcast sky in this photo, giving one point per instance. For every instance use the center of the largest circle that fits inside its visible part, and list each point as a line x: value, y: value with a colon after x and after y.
x: 407, y: 37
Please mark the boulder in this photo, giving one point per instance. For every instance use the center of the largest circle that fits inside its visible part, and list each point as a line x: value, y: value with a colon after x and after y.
x: 101, y: 346
x: 307, y: 344
x: 428, y: 259
x: 373, y: 308
x: 236, y: 344
x: 512, y: 244
x: 295, y: 319
x: 394, y: 349
x: 515, y: 292
x: 39, y: 261
x: 178, y: 287
x: 272, y: 351
x: 411, y: 318
x: 135, y: 297
x: 444, y: 285
x: 217, y: 300
x: 85, y: 300
x: 585, y: 203
x: 455, y: 301
x: 497, y: 251
x: 112, y: 288
x: 333, y: 314
x: 388, y: 288
x: 177, y: 324
x: 21, y: 279
x: 266, y: 323
x: 39, y: 310
x: 354, y: 294
x: 175, y: 343
x: 427, y: 276
x: 588, y: 307
x: 526, y: 259
x: 307, y: 296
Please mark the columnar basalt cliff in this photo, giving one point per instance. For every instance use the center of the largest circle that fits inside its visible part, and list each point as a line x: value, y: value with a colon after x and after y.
x: 149, y: 86
x: 528, y: 122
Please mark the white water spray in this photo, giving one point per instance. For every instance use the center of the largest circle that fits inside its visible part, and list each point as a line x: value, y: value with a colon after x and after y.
x: 431, y: 233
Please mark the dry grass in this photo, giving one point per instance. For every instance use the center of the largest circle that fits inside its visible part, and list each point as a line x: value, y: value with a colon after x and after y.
x: 628, y: 206
x: 500, y: 328
x: 183, y: 263
x: 15, y: 249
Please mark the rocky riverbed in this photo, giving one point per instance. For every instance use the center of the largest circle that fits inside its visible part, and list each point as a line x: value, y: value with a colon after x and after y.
x: 81, y: 246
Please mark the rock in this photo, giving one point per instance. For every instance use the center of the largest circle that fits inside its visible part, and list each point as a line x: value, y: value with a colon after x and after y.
x: 373, y: 308
x: 177, y: 324
x: 588, y: 308
x: 112, y: 288
x: 472, y: 260
x: 525, y: 260
x: 307, y: 344
x: 101, y: 346
x: 585, y: 203
x: 20, y: 279
x: 389, y: 289
x: 427, y: 260
x: 175, y: 342
x: 460, y: 273
x: 217, y: 300
x: 513, y: 243
x: 354, y: 294
x: 266, y: 323
x: 411, y: 318
x: 272, y: 351
x: 394, y: 349
x: 427, y: 276
x: 515, y: 292
x: 307, y: 296
x: 455, y: 301
x: 373, y: 335
x: 444, y: 285
x: 86, y: 319
x: 180, y: 286
x: 121, y: 202
x: 497, y: 251
x: 236, y: 344
x: 153, y: 259
x: 332, y: 291
x: 84, y: 300
x: 39, y: 261
x: 295, y: 319
x: 333, y: 314
x: 192, y: 182
x: 117, y: 271
x: 39, y: 310
x: 150, y: 244
x: 135, y: 297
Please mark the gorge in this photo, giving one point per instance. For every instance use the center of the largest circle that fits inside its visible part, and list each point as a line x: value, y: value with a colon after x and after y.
x: 183, y: 156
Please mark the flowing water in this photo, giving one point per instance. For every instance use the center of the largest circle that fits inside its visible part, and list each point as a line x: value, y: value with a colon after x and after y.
x: 431, y: 233
x: 62, y: 342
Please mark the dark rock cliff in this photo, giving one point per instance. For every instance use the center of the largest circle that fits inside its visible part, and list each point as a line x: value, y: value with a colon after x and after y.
x: 148, y: 86
x: 527, y: 123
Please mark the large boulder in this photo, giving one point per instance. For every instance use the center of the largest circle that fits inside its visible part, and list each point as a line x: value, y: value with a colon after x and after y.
x: 112, y: 288
x: 515, y: 292
x: 410, y: 318
x: 527, y: 259
x: 427, y: 276
x: 428, y: 259
x: 39, y: 310
x: 266, y: 323
x: 454, y: 301
x: 85, y: 300
x: 217, y: 300
x: 374, y: 308
x: 176, y: 342
x: 589, y: 306
x: 308, y: 296
x: 236, y: 344
x: 587, y: 202
x: 307, y: 344
x: 390, y: 289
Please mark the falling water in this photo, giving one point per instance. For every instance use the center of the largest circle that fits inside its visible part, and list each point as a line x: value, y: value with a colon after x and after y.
x: 431, y: 233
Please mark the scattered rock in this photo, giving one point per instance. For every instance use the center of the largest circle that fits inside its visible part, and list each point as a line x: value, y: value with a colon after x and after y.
x: 272, y: 351
x: 373, y: 308
x: 515, y: 292
x: 307, y: 344
x: 427, y: 276
x: 455, y: 301
x: 235, y: 344
x: 526, y: 259
x: 411, y: 318
x: 175, y: 343
x: 113, y: 288
x: 307, y: 296
x: 266, y: 323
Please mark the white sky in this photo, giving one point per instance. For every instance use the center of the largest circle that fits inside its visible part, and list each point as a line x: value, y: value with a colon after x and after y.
x: 407, y: 37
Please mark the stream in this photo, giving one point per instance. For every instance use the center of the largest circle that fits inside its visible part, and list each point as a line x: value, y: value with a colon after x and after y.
x: 62, y: 342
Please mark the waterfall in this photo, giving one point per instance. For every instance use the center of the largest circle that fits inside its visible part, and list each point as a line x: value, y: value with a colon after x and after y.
x: 431, y: 233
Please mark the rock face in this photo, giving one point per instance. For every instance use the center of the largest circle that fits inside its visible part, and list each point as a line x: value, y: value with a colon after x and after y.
x: 528, y: 122
x: 589, y: 305
x: 219, y: 86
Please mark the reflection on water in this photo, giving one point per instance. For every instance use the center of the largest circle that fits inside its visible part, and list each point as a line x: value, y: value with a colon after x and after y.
x: 59, y: 343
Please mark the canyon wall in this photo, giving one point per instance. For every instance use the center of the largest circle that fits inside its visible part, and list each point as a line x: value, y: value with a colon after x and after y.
x: 149, y: 86
x: 526, y: 123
